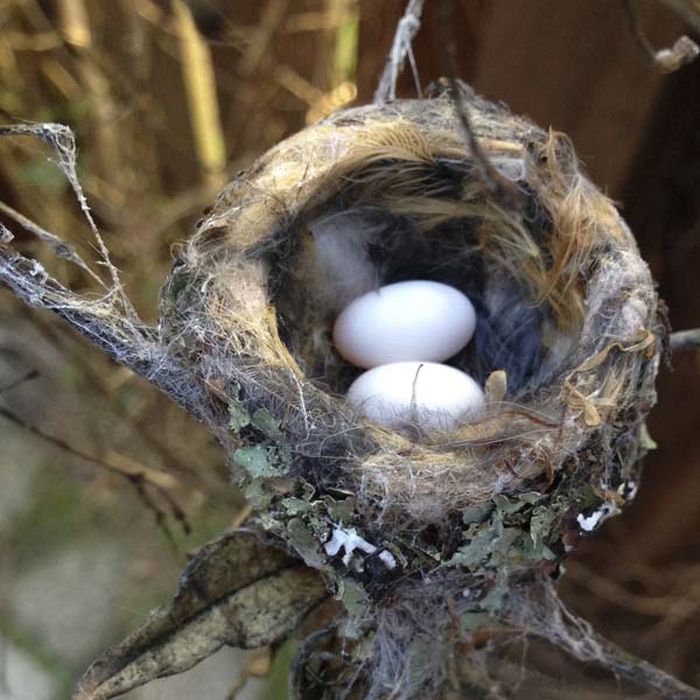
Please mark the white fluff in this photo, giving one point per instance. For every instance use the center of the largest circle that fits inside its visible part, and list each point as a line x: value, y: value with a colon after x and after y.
x: 343, y: 268
x: 349, y: 541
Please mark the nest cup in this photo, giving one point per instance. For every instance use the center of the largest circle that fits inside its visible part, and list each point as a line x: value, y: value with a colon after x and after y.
x: 567, y: 335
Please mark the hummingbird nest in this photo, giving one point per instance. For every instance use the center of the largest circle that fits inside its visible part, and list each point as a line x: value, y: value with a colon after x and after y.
x: 414, y: 531
x: 413, y: 562
x: 566, y: 338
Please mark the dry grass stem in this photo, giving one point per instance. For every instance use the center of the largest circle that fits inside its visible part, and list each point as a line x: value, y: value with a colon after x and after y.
x: 203, y: 104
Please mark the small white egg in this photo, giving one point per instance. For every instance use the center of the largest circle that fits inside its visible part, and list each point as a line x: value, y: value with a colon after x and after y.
x: 426, y: 394
x: 415, y: 320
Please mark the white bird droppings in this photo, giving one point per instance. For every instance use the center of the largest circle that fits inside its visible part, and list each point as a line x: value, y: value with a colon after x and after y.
x: 590, y: 522
x: 348, y: 540
x: 388, y: 559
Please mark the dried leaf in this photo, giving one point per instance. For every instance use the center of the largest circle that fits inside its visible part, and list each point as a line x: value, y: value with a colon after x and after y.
x: 496, y: 386
x: 239, y: 590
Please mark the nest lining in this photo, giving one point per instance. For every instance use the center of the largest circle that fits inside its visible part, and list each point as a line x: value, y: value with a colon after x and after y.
x: 376, y: 195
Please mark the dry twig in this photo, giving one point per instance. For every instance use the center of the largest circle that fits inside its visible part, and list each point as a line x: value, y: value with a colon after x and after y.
x: 62, y: 140
x: 666, y: 60
x: 134, y: 346
x: 58, y: 246
x: 687, y: 10
x: 139, y: 477
x: 406, y: 30
x: 555, y: 623
x: 685, y: 340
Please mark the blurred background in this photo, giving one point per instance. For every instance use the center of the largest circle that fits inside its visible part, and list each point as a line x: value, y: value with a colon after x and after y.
x: 168, y: 99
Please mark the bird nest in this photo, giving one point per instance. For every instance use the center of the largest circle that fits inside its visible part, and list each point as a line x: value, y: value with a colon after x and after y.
x: 436, y: 543
x: 423, y: 534
x: 566, y: 342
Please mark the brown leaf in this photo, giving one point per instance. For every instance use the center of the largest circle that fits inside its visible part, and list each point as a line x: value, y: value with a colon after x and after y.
x: 239, y: 590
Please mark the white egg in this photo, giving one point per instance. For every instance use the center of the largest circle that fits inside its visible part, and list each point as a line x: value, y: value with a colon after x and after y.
x: 415, y: 320
x: 426, y: 394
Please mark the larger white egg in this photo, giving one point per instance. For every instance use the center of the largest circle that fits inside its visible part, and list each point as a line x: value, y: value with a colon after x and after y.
x: 415, y: 320
x: 428, y: 395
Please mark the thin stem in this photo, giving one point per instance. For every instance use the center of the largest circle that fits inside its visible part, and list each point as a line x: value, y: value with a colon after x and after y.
x: 134, y: 346
x: 406, y: 30
x: 139, y: 477
x: 62, y: 140
x: 502, y: 190
x: 60, y: 247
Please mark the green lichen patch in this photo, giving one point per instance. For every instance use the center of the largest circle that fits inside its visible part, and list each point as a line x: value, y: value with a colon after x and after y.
x: 256, y: 494
x: 340, y: 510
x: 477, y: 513
x: 356, y: 604
x: 261, y: 461
x: 238, y: 415
x: 296, y: 506
x: 517, y: 533
x: 266, y: 423
x: 306, y: 542
x: 541, y: 523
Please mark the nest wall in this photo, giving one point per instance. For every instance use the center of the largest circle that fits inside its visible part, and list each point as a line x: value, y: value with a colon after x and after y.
x: 567, y: 341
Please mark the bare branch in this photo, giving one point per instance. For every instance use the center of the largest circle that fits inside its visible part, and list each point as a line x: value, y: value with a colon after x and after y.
x: 149, y: 476
x: 687, y: 10
x: 554, y: 622
x: 62, y: 140
x: 598, y: 650
x: 134, y: 346
x: 406, y: 30
x: 685, y: 340
x: 139, y: 477
x: 59, y: 247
